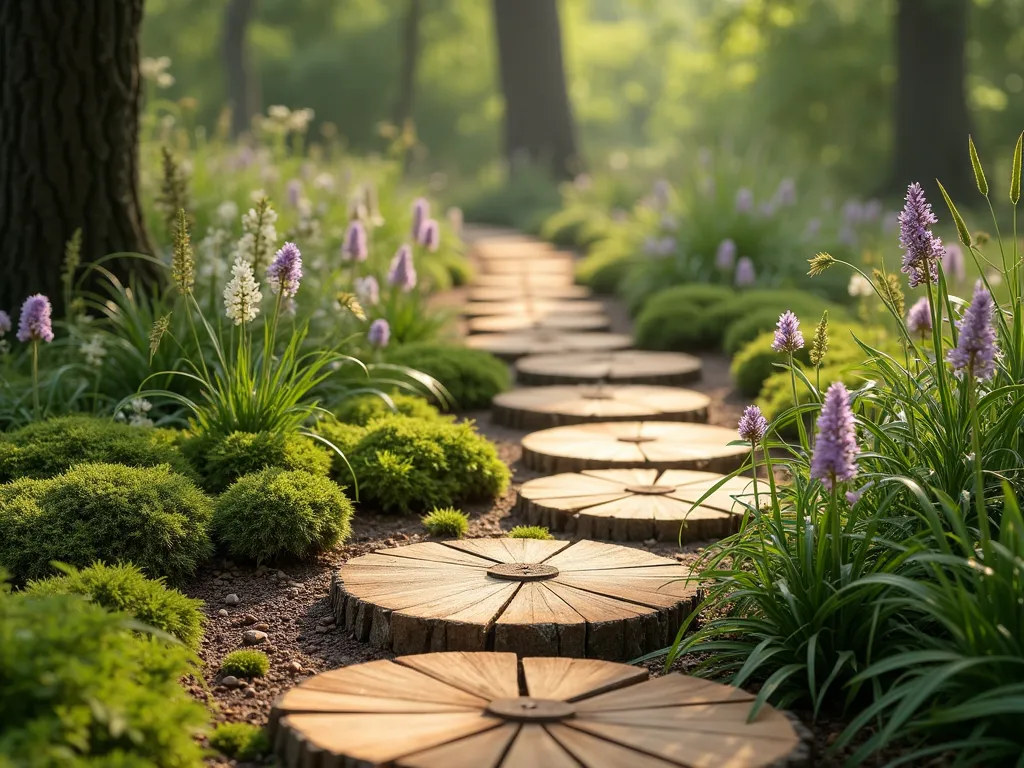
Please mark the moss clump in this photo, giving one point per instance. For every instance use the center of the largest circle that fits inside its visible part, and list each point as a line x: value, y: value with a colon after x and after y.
x: 220, y: 460
x: 447, y: 522
x: 148, y: 516
x: 363, y: 409
x: 697, y: 295
x: 47, y: 448
x: 277, y: 512
x: 245, y: 663
x: 472, y: 377
x: 530, y: 532
x: 125, y: 589
x: 240, y: 741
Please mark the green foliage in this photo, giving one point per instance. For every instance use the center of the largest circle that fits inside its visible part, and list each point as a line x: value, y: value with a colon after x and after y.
x: 696, y: 295
x: 448, y: 522
x: 148, y: 516
x: 245, y: 663
x: 47, y: 448
x: 276, y: 512
x: 530, y: 532
x: 470, y: 376
x: 363, y: 409
x: 523, y: 200
x: 240, y: 741
x: 222, y: 460
x: 123, y: 588
x: 80, y: 688
x: 606, y: 264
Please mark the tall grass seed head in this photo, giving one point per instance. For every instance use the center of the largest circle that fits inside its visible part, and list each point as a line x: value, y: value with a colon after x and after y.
x: 889, y: 287
x: 350, y: 302
x: 183, y: 263
x: 819, y: 342
x: 819, y: 263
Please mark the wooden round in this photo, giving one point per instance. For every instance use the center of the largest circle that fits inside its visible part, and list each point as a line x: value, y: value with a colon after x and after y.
x: 671, y: 369
x: 490, y: 710
x: 546, y: 264
x: 581, y: 599
x: 511, y: 346
x: 555, y: 321
x: 637, y: 504
x: 525, y: 281
x: 543, y: 407
x: 628, y: 444
x: 536, y: 306
x: 521, y: 293
x: 497, y: 250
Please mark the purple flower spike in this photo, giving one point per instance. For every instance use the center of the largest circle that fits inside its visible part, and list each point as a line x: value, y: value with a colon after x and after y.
x: 35, y: 323
x: 725, y: 257
x: 923, y: 250
x: 953, y: 263
x: 744, y: 200
x: 753, y: 425
x: 285, y: 271
x: 919, y: 318
x: 430, y: 235
x: 976, y: 349
x: 294, y: 192
x: 835, y: 452
x: 420, y: 213
x: 788, y: 337
x: 5, y: 323
x: 379, y: 333
x: 355, y: 247
x: 368, y: 290
x: 745, y: 275
x: 402, y: 273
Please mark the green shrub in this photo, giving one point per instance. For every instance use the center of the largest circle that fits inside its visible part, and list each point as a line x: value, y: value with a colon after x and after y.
x: 406, y: 465
x: 471, y: 376
x: 79, y: 689
x: 363, y: 409
x: 446, y: 522
x: 222, y: 460
x: 606, y: 265
x: 148, y: 516
x: 343, y: 436
x: 47, y: 448
x: 124, y: 588
x: 679, y: 329
x: 530, y: 532
x: 278, y: 512
x: 240, y: 741
x: 700, y: 295
x: 742, y: 331
x: 245, y: 663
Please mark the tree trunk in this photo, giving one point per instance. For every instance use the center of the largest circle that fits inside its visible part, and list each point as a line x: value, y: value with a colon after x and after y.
x: 539, y: 124
x: 69, y: 132
x: 410, y: 56
x: 243, y: 88
x: 931, y: 116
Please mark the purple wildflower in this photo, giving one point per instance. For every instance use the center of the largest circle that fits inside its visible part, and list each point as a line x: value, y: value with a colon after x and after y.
x: 355, y: 248
x: 430, y: 235
x: 852, y: 497
x: 745, y: 275
x: 768, y: 209
x: 379, y: 333
x: 367, y: 289
x: 294, y: 192
x: 753, y: 425
x: 835, y: 452
x: 923, y: 249
x: 953, y: 263
x: 853, y: 212
x: 812, y: 229
x: 420, y: 213
x: 402, y: 273
x: 919, y: 318
x: 34, y: 323
x: 5, y: 323
x: 788, y: 337
x: 872, y: 210
x: 744, y: 200
x: 976, y: 349
x: 662, y: 194
x: 725, y: 256
x: 285, y: 271
x: 785, y: 194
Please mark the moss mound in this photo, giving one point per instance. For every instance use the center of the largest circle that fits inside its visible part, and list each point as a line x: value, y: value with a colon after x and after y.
x: 471, y: 376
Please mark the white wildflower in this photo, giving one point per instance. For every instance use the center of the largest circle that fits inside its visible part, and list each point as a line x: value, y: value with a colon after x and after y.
x: 155, y: 69
x: 140, y: 407
x: 227, y: 212
x: 259, y: 238
x: 94, y: 351
x: 256, y: 195
x: 213, y: 248
x: 859, y: 286
x: 300, y: 119
x: 242, y: 294
x: 324, y: 181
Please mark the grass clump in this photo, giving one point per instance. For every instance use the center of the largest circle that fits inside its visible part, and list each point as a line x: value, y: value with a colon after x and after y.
x: 447, y: 522
x: 47, y: 448
x: 240, y: 741
x: 220, y: 460
x: 125, y: 589
x: 245, y: 663
x: 530, y: 532
x: 276, y: 512
x: 149, y: 516
x: 471, y: 376
x: 363, y: 409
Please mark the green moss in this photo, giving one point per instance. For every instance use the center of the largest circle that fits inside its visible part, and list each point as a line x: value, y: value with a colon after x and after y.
x: 447, y: 522
x: 363, y: 409
x: 222, y: 460
x: 472, y: 377
x: 47, y: 448
x: 698, y: 295
x: 278, y: 512
x: 125, y: 588
x: 148, y: 516
x: 240, y: 741
x: 245, y: 663
x: 530, y: 532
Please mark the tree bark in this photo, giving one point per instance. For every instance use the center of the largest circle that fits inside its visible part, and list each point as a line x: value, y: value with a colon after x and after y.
x: 932, y: 121
x: 410, y: 58
x: 69, y: 131
x: 243, y: 88
x: 539, y: 125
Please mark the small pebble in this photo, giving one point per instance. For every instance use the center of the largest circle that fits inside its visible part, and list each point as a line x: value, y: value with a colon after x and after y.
x: 326, y: 620
x: 282, y: 575
x: 222, y: 613
x: 293, y: 666
x: 254, y: 637
x: 230, y: 681
x: 321, y: 630
x: 232, y: 599
x: 650, y: 542
x: 261, y: 627
x: 247, y: 619
x: 250, y: 693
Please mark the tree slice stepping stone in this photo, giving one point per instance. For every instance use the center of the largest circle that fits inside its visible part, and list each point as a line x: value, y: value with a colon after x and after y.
x: 531, y: 597
x: 638, y: 504
x: 549, y: 264
x: 488, y: 250
x: 525, y: 280
x: 510, y: 346
x: 491, y: 710
x: 530, y: 306
x: 555, y: 321
x: 629, y: 444
x: 519, y: 293
x: 630, y: 366
x: 542, y: 407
